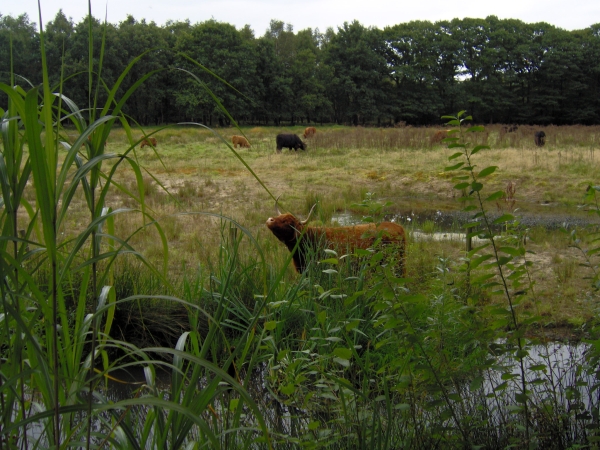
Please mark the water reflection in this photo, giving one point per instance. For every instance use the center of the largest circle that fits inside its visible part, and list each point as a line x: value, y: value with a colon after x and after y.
x: 444, y: 220
x: 555, y: 365
x: 124, y: 383
x: 450, y: 220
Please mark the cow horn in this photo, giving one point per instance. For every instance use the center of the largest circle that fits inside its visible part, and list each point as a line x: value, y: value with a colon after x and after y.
x: 304, y: 222
x: 276, y: 206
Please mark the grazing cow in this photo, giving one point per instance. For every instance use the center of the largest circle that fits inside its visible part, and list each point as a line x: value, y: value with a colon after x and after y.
x: 291, y: 141
x: 309, y: 132
x: 509, y: 128
x: 540, y: 138
x: 150, y: 142
x: 439, y: 136
x: 241, y: 141
x: 288, y: 229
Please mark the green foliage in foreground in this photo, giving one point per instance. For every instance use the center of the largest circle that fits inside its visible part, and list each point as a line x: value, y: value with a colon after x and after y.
x: 346, y: 355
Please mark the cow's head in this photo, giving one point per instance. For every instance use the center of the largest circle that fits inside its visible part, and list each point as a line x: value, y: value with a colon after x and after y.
x: 286, y: 227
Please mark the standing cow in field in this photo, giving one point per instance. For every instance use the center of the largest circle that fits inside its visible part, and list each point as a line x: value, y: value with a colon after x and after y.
x: 539, y: 138
x: 309, y: 132
x: 151, y: 142
x: 291, y: 141
x: 288, y: 229
x: 241, y: 141
x: 439, y: 136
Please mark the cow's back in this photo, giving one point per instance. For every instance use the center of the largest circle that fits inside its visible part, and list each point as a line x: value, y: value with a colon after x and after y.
x: 309, y: 132
x: 291, y: 141
x: 364, y: 235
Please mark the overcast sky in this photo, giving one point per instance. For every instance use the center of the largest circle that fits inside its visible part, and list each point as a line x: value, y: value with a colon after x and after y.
x: 321, y: 14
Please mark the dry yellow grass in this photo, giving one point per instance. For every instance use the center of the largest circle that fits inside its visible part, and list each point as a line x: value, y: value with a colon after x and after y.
x: 346, y: 162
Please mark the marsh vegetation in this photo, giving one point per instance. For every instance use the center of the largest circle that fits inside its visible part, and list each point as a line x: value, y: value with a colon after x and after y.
x: 336, y: 344
x: 347, y: 169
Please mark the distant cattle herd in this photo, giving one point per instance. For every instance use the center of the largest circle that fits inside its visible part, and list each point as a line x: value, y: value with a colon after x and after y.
x: 283, y: 140
x: 293, y: 141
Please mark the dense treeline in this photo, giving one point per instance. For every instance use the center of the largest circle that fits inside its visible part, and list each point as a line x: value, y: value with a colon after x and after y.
x: 503, y: 71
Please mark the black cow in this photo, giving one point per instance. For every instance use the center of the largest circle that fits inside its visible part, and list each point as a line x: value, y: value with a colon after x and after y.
x: 540, y: 138
x: 291, y: 141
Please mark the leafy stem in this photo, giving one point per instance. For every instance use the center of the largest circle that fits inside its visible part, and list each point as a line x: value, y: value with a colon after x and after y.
x: 500, y: 256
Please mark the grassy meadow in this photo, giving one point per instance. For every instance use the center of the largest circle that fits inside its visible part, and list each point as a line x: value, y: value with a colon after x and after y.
x: 194, y: 171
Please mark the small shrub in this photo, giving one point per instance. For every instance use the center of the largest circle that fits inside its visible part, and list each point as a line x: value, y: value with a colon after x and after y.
x: 150, y: 187
x: 188, y: 192
x: 564, y: 269
x: 429, y: 226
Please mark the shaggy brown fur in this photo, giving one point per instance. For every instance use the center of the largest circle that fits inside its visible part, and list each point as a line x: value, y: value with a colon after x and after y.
x: 439, y: 136
x: 150, y: 142
x: 241, y: 141
x: 309, y: 132
x: 288, y: 229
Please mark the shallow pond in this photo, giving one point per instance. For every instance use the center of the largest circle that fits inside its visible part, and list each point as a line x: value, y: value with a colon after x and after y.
x: 454, y: 220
